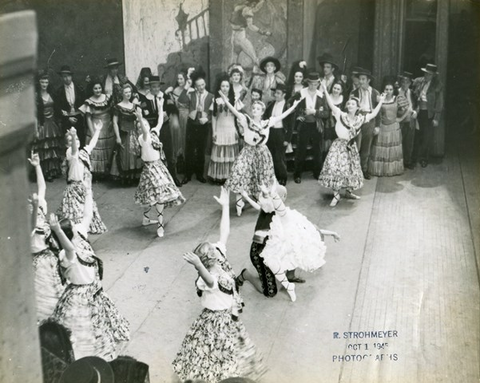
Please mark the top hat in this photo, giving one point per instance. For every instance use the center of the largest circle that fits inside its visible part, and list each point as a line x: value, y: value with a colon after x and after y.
x: 65, y: 69
x: 313, y: 77
x: 327, y: 58
x: 281, y: 87
x: 270, y: 59
x: 129, y: 370
x: 90, y: 369
x: 430, y: 68
x: 113, y: 62
x: 155, y: 79
x: 364, y: 72
x: 406, y: 74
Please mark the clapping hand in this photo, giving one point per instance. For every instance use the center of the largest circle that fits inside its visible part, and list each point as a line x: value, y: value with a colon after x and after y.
x: 224, y: 198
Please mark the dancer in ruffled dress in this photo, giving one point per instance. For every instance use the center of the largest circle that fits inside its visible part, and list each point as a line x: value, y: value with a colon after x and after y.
x: 84, y: 308
x: 79, y: 181
x: 49, y: 138
x: 156, y: 187
x: 254, y: 165
x: 98, y: 107
x: 217, y: 345
x: 342, y: 168
x: 225, y: 138
x: 46, y: 268
x: 293, y: 241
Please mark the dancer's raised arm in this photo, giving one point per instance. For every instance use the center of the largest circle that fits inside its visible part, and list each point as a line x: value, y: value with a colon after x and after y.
x: 41, y: 185
x: 194, y: 260
x: 335, y: 109
x: 274, y: 120
x: 97, y: 127
x: 63, y: 239
x: 232, y: 109
x: 224, y: 201
x: 371, y: 116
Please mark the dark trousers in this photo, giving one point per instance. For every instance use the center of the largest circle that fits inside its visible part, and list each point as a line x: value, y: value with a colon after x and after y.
x: 267, y: 278
x: 364, y: 142
x: 276, y: 147
x: 424, y: 137
x: 196, y: 142
x: 408, y: 136
x: 308, y: 133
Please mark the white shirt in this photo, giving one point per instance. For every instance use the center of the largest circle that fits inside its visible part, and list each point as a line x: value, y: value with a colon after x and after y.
x: 277, y: 111
x: 149, y: 154
x: 109, y: 84
x: 366, y: 99
x: 310, y: 100
x: 70, y: 94
x: 212, y: 298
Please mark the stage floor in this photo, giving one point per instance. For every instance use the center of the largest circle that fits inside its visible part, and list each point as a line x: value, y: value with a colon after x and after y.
x: 407, y: 263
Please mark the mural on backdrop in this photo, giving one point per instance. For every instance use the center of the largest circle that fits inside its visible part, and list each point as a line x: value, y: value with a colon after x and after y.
x: 165, y: 35
x: 255, y: 29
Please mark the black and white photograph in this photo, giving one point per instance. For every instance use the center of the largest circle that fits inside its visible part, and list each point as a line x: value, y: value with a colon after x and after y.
x: 257, y: 191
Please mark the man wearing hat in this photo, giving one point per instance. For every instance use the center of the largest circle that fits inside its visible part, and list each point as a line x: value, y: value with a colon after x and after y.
x: 408, y: 124
x: 90, y: 369
x: 311, y: 112
x: 272, y: 76
x: 428, y: 92
x: 113, y: 81
x: 69, y: 97
x: 280, y: 133
x: 329, y: 70
x: 368, y: 101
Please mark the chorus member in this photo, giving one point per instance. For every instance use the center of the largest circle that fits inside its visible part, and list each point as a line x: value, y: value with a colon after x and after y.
x: 49, y: 137
x: 181, y: 97
x: 143, y: 82
x: 408, y: 125
x: 98, y: 108
x: 280, y: 133
x: 199, y: 128
x: 156, y: 187
x: 329, y: 134
x: 342, y: 168
x: 237, y: 88
x: 429, y: 94
x: 217, y: 345
x: 113, y: 81
x: 96, y: 326
x: 311, y: 112
x: 127, y: 165
x: 79, y: 180
x: 386, y: 158
x: 368, y: 97
x: 296, y: 78
x: 225, y: 147
x: 49, y: 285
x: 272, y: 76
x: 68, y: 100
x: 330, y: 70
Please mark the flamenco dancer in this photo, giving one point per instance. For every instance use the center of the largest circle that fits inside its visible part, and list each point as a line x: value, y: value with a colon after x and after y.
x: 49, y: 286
x: 342, y: 167
x: 293, y: 241
x: 84, y: 308
x: 254, y: 165
x: 79, y: 180
x: 156, y: 187
x: 217, y: 345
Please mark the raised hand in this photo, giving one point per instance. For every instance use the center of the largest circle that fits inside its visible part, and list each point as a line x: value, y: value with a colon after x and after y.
x: 53, y: 221
x: 34, y: 160
x: 192, y: 258
x: 381, y: 98
x: 224, y: 198
x: 73, y: 131
x: 335, y: 236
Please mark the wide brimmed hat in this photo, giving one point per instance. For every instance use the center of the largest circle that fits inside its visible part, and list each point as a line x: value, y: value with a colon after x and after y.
x: 406, y: 75
x: 129, y: 370
x: 90, y: 369
x: 270, y: 59
x: 313, y: 77
x: 281, y: 87
x: 65, y: 69
x: 327, y: 58
x: 357, y: 69
x: 430, y: 68
x: 112, y: 63
x: 155, y: 79
x: 365, y: 72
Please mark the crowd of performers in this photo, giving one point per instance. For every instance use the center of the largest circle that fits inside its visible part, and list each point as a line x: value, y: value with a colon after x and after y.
x: 140, y: 134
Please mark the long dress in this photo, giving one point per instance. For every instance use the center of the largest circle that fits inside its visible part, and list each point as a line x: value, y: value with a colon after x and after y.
x: 102, y: 154
x: 342, y: 168
x: 217, y: 346
x: 50, y: 140
x: 329, y: 134
x: 386, y: 156
x: 156, y: 185
x: 127, y: 164
x: 79, y: 178
x: 225, y: 145
x: 85, y: 309
x: 49, y: 286
x: 182, y: 101
x: 254, y: 165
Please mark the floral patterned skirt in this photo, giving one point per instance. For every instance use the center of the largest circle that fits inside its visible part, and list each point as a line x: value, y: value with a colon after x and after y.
x: 342, y: 168
x: 72, y: 206
x: 95, y: 323
x: 48, y: 283
x: 216, y: 347
x: 252, y: 168
x: 156, y: 186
